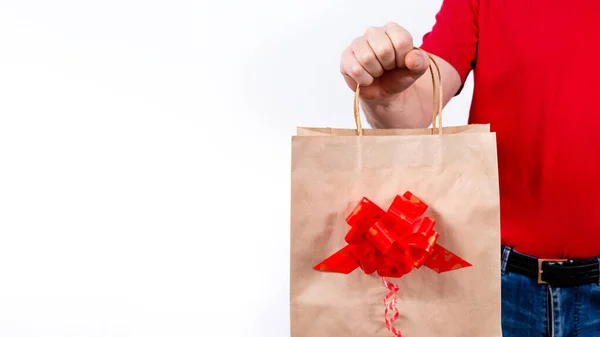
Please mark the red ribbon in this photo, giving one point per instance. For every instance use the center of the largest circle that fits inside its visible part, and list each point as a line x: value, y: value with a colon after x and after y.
x: 391, y: 243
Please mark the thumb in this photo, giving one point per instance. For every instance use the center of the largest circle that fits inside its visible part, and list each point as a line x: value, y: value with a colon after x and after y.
x: 417, y: 61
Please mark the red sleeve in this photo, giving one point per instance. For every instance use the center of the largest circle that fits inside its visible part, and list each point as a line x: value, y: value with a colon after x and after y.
x: 455, y: 34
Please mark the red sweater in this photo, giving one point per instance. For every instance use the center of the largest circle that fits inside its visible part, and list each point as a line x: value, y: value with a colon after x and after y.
x: 537, y: 83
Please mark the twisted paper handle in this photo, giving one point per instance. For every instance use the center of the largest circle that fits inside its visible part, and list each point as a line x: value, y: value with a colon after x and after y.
x: 390, y: 303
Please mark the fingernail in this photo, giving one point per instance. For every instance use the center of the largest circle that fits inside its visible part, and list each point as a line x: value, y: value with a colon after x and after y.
x: 418, y: 60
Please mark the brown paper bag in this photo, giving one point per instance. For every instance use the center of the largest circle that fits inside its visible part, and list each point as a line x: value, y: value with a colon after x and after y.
x: 454, y: 171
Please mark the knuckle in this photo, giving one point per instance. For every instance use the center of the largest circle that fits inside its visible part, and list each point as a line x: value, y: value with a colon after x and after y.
x: 392, y: 24
x: 365, y: 58
x: 384, y: 52
x: 405, y: 41
x: 357, y: 41
x: 404, y: 46
x: 355, y: 71
x: 372, y: 30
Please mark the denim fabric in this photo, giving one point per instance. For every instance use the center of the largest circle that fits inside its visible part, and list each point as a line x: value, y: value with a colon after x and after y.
x: 530, y: 309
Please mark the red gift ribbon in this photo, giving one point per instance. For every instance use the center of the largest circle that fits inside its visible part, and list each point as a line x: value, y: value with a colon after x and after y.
x: 391, y: 243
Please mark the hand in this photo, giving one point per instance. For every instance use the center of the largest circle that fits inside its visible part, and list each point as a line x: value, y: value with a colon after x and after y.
x: 383, y: 61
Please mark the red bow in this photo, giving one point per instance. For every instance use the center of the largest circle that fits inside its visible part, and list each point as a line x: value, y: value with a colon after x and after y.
x: 391, y: 243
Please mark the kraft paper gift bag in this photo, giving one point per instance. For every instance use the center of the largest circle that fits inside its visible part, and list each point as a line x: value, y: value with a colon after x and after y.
x: 395, y: 232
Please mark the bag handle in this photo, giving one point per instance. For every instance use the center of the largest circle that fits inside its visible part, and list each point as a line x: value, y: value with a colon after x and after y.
x: 438, y: 102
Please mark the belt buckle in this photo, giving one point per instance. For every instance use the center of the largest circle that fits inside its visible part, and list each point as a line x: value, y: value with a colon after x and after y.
x: 540, y: 271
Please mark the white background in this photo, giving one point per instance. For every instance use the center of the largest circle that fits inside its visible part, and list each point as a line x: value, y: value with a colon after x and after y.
x: 145, y: 153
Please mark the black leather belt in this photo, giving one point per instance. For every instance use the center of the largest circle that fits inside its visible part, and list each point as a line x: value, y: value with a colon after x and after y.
x: 555, y: 272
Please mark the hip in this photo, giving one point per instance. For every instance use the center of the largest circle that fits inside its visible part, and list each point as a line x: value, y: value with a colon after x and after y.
x: 554, y: 307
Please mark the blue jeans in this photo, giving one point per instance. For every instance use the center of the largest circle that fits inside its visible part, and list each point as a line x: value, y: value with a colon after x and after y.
x: 530, y: 309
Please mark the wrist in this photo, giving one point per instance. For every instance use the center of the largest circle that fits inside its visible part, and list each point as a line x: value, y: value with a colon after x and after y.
x: 381, y: 111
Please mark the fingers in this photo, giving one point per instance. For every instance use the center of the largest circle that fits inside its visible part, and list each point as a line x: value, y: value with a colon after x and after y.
x: 401, y: 41
x: 366, y: 57
x: 353, y: 71
x: 382, y: 47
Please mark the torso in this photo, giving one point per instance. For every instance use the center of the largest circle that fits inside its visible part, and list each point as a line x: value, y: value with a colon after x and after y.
x: 538, y: 85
